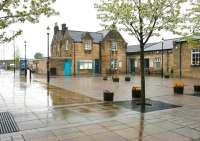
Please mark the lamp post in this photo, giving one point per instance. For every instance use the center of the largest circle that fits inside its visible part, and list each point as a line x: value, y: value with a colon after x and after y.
x: 48, y: 73
x: 25, y: 59
x: 14, y: 53
x: 162, y: 58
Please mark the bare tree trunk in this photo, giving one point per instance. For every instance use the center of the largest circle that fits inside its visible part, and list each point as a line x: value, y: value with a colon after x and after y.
x: 142, y: 73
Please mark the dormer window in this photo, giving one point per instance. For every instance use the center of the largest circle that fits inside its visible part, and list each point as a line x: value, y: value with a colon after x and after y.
x: 88, y: 45
x: 114, y: 45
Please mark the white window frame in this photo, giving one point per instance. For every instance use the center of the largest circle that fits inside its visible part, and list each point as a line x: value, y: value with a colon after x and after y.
x: 114, y: 45
x: 86, y: 64
x: 114, y: 64
x: 157, y: 60
x: 88, y: 45
x: 67, y: 45
x: 196, y: 52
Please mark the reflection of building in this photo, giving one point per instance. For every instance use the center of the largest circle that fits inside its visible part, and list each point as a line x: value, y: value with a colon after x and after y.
x: 78, y: 52
x: 179, y: 58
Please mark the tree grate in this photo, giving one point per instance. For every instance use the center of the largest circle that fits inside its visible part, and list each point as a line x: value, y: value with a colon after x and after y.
x: 7, y: 123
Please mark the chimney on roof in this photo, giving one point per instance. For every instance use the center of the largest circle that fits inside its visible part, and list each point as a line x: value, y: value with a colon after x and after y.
x: 56, y: 28
x: 64, y: 28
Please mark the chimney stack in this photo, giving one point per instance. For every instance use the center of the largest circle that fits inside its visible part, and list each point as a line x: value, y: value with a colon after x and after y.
x: 56, y: 28
x: 64, y: 28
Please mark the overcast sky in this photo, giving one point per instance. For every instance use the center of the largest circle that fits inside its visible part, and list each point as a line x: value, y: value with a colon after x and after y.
x: 77, y: 14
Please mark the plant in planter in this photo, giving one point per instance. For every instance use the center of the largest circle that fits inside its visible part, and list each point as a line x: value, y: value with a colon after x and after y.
x: 105, y: 77
x: 197, y: 89
x: 127, y: 78
x: 167, y: 75
x: 179, y: 88
x: 136, y: 92
x: 115, y: 79
x: 108, y: 95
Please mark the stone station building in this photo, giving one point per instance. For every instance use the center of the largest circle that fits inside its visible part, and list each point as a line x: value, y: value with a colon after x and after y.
x: 79, y: 52
x: 106, y: 52
x: 180, y: 58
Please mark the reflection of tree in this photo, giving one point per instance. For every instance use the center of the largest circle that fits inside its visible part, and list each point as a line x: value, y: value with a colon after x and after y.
x: 141, y: 130
x: 110, y: 109
x: 59, y: 96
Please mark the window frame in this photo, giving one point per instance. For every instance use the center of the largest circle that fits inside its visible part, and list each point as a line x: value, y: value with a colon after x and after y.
x: 114, y: 64
x: 114, y: 45
x: 156, y: 61
x: 195, y: 57
x: 86, y: 64
x: 67, y: 45
x: 88, y: 45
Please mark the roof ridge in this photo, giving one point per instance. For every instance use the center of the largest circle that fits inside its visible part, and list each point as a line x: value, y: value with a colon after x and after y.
x: 84, y: 31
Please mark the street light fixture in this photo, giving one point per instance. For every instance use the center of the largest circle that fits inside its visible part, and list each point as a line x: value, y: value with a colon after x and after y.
x: 162, y: 58
x: 25, y: 72
x: 48, y: 73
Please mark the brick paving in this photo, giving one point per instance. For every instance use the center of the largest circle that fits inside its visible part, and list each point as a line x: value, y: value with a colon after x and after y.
x: 68, y: 114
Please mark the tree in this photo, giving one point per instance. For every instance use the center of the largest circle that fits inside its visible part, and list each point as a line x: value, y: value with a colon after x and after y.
x: 141, y: 19
x: 19, y: 11
x: 193, y: 19
x: 38, y: 55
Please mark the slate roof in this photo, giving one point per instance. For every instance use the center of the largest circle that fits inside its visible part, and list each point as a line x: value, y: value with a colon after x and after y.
x: 77, y: 36
x: 103, y: 32
x: 167, y: 44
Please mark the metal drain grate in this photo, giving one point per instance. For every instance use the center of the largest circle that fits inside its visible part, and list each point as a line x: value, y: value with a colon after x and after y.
x: 7, y: 123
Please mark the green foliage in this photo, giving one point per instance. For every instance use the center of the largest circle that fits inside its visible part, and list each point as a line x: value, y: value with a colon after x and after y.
x: 38, y: 55
x: 19, y: 11
x: 192, y: 17
x: 141, y: 19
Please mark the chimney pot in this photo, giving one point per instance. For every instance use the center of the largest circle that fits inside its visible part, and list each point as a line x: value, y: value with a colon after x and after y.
x: 64, y: 28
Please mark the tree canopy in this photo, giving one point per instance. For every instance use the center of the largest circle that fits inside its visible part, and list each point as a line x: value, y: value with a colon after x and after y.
x: 38, y: 55
x: 141, y: 19
x: 19, y: 11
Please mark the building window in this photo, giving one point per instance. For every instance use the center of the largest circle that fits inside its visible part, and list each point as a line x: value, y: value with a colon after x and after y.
x: 88, y: 45
x: 114, y: 45
x: 67, y: 45
x: 195, y: 56
x: 114, y: 64
x: 86, y: 64
x: 157, y: 63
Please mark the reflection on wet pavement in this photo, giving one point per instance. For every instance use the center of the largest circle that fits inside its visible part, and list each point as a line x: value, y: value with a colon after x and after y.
x: 54, y: 115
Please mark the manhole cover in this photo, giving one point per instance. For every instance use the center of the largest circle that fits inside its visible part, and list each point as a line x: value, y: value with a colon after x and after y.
x: 7, y: 123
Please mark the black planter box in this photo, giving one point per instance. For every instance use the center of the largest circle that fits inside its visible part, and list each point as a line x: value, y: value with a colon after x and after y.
x: 108, y: 95
x: 166, y: 76
x: 178, y: 90
x: 196, y: 88
x: 136, y: 93
x: 115, y: 79
x: 105, y: 78
x: 127, y: 78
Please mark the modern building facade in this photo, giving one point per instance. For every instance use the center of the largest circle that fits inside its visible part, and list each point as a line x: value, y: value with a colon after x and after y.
x: 79, y: 52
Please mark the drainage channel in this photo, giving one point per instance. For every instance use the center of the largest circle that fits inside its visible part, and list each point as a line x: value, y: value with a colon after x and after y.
x: 7, y: 123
